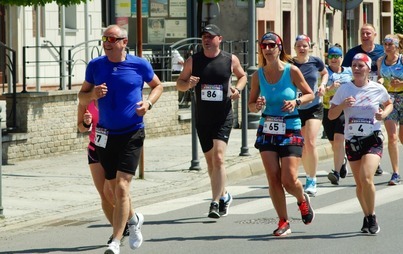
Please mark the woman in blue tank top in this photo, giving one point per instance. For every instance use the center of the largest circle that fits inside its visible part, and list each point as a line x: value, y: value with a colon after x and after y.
x: 279, y: 138
x: 390, y: 74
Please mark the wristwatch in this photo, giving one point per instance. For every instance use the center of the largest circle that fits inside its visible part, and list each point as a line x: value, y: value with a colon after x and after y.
x: 150, y: 105
x: 298, y: 102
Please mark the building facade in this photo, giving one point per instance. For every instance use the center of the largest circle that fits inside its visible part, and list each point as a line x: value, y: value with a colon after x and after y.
x: 55, y: 29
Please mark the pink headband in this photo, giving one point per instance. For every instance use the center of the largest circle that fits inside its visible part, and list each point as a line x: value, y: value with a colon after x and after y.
x: 303, y: 37
x: 363, y: 57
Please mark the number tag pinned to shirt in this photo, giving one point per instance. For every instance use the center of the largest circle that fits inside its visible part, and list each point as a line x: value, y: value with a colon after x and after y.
x: 211, y: 92
x: 360, y: 126
x: 101, y: 137
x: 274, y: 125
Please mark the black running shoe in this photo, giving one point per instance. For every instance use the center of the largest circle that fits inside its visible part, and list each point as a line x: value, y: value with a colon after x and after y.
x: 373, y: 226
x: 223, y: 207
x: 109, y: 240
x: 214, y: 211
x: 343, y: 169
x: 378, y: 171
x: 126, y: 233
x: 364, y: 228
x: 334, y: 177
x: 307, y: 213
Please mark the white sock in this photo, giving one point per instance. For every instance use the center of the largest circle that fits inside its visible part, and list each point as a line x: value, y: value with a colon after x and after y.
x: 225, y: 197
x: 134, y: 220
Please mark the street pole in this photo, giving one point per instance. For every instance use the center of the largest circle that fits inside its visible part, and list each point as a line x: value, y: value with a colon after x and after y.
x: 140, y: 54
x: 1, y: 162
x: 195, y: 163
x: 251, y: 70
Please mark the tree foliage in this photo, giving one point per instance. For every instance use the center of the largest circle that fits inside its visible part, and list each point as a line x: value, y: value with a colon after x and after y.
x: 40, y: 2
x: 398, y: 16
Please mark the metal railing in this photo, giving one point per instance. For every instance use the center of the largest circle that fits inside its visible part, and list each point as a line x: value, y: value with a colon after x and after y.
x: 53, y: 52
x: 77, y: 54
x: 159, y: 56
x: 8, y: 64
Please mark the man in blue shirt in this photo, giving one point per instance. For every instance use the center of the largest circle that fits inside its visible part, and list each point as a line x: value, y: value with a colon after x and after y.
x: 368, y: 47
x: 116, y: 81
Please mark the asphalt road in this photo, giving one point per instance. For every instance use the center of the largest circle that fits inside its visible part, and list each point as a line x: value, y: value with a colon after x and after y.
x: 179, y: 225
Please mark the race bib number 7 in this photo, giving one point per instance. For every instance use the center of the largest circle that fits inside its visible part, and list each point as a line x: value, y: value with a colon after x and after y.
x: 101, y: 137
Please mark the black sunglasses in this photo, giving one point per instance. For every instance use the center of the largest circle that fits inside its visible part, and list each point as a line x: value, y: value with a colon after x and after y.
x: 271, y: 45
x: 111, y: 39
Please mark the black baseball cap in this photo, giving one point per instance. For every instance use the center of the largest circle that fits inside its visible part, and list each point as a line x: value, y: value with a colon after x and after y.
x: 211, y: 29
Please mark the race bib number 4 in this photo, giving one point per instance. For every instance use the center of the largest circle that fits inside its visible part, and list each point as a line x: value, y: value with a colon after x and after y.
x: 274, y: 125
x: 212, y: 92
x: 101, y: 137
x: 360, y: 126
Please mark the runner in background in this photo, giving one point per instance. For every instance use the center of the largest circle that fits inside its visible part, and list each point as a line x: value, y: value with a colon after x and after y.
x: 334, y: 129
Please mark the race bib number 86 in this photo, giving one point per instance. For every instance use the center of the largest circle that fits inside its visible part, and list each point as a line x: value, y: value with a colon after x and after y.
x: 211, y: 92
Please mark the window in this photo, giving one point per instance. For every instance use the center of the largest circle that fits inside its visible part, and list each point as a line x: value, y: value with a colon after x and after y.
x: 368, y: 13
x: 70, y: 15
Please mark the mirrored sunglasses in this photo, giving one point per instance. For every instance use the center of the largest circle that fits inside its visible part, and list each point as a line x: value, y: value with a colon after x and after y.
x: 111, y: 39
x: 270, y: 45
x: 333, y: 56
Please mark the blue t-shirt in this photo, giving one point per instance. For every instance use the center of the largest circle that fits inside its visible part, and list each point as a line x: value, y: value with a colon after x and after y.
x: 125, y: 81
x: 346, y: 75
x: 374, y: 55
x: 275, y: 95
x: 310, y: 71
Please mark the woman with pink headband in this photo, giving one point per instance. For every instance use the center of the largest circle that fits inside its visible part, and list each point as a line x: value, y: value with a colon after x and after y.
x: 274, y: 92
x: 360, y: 100
x: 390, y: 74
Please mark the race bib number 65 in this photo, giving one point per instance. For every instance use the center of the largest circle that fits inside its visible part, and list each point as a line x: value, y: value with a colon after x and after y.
x: 274, y: 125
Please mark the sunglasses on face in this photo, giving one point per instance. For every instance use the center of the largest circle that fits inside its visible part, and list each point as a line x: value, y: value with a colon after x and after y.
x: 333, y: 56
x: 270, y: 45
x: 111, y: 39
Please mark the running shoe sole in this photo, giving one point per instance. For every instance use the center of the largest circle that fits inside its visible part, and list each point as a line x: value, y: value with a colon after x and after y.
x: 333, y: 178
x: 285, y: 233
x: 214, y: 215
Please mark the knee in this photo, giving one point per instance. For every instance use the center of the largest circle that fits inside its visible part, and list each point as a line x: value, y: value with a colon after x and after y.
x: 218, y: 160
x: 289, y: 184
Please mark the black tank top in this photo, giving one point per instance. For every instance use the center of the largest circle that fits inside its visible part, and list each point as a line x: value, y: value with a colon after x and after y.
x: 213, y: 103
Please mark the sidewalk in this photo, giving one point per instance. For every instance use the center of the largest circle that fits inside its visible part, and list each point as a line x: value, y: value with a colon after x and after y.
x: 51, y: 189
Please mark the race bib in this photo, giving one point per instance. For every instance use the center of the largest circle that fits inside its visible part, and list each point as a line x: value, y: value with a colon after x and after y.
x: 101, y: 137
x: 274, y: 125
x: 212, y: 92
x: 360, y: 126
x: 373, y: 76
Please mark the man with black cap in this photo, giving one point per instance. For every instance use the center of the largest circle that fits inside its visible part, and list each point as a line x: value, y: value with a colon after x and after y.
x: 209, y: 73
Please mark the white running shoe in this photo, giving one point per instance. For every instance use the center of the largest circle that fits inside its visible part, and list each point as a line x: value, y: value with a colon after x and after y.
x: 135, y: 236
x: 113, y: 248
x: 310, y: 186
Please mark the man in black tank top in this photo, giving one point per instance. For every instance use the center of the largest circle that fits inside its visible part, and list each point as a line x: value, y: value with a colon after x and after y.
x: 209, y: 74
